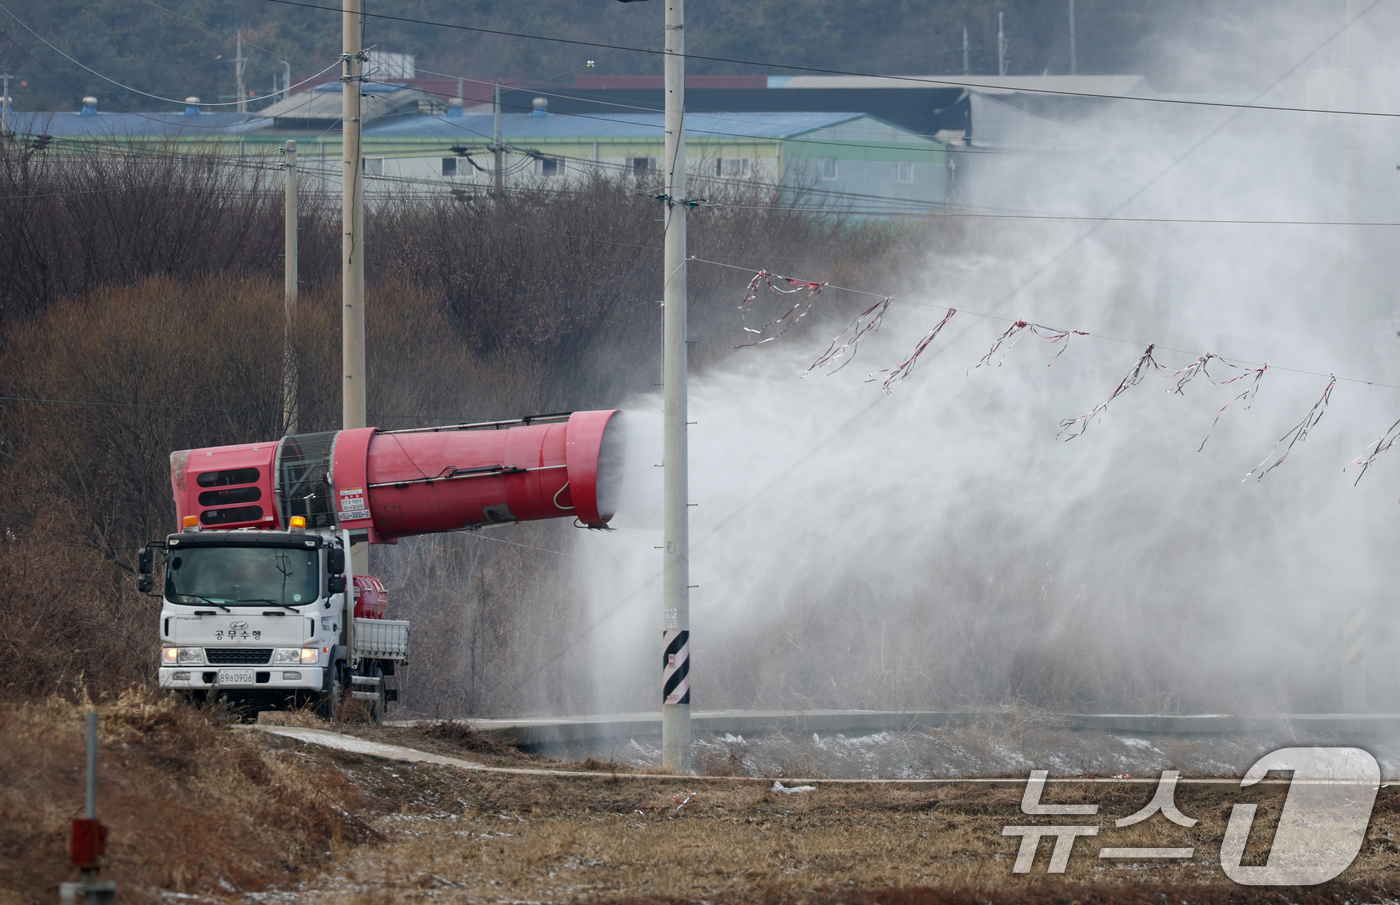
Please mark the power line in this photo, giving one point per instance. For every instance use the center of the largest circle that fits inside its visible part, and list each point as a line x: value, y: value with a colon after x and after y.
x: 1131, y: 342
x: 138, y: 90
x: 929, y: 208
x: 924, y: 80
x: 456, y: 418
x: 271, y: 53
x: 63, y: 78
x: 927, y: 205
x: 726, y: 115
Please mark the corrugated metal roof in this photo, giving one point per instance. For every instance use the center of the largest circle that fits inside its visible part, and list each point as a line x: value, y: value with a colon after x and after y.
x: 1109, y: 85
x: 140, y: 125
x: 521, y: 126
x: 325, y: 103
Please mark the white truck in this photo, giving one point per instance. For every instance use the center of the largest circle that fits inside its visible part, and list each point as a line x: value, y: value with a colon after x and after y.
x: 270, y: 619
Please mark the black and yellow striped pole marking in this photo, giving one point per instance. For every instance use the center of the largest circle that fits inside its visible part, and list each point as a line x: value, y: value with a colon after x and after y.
x: 1354, y: 661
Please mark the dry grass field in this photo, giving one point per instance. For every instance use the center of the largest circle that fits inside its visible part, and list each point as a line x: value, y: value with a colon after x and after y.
x: 206, y: 812
x: 469, y: 837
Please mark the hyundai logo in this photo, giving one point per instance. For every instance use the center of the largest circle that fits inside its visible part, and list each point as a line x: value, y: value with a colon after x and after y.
x: 237, y: 625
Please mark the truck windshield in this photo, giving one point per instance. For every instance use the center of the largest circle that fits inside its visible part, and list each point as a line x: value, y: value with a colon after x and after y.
x: 246, y: 576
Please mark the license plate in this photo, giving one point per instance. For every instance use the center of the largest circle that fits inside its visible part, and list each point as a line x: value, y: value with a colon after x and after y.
x: 237, y: 677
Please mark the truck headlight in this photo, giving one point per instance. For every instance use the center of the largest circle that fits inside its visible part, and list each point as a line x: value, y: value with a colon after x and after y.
x: 285, y: 655
x: 310, y: 656
x: 168, y: 656
x: 180, y: 656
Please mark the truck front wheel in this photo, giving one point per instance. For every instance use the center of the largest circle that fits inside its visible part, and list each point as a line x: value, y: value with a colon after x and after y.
x: 332, y: 693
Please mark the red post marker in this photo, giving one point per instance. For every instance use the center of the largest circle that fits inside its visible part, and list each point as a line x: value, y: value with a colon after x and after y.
x: 89, y: 842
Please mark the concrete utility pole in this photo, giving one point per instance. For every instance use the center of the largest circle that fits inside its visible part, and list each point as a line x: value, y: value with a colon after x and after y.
x: 967, y: 69
x: 289, y: 361
x: 5, y: 109
x: 352, y: 256
x: 238, y: 63
x: 1355, y: 309
x: 1354, y: 85
x: 352, y: 249
x: 1354, y: 683
x: 1001, y: 44
x: 497, y: 149
x: 675, y: 580
x: 1073, y: 51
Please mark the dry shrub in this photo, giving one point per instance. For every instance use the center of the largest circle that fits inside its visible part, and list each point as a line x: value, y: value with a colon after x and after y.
x: 729, y: 763
x: 594, y: 765
x: 71, y: 224
x: 462, y: 735
x: 192, y: 806
x: 69, y: 616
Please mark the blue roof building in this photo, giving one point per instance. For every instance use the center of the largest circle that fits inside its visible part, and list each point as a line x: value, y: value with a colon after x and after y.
x: 820, y: 161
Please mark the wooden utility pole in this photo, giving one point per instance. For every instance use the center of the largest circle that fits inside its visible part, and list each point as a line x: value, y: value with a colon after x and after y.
x: 675, y: 670
x: 289, y: 361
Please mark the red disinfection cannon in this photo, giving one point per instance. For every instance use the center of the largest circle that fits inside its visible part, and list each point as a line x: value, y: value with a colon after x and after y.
x: 381, y: 485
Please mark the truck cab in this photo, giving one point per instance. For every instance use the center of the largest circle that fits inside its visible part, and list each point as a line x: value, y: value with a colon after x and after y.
x: 268, y: 619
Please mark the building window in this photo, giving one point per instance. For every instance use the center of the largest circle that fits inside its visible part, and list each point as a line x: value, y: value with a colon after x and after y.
x: 903, y: 172
x: 732, y: 167
x: 829, y: 168
x: 642, y: 166
x: 373, y: 166
x: 549, y: 166
x: 449, y: 166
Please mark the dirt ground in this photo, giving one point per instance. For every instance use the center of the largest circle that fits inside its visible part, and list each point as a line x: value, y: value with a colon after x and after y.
x: 460, y: 836
x: 205, y: 812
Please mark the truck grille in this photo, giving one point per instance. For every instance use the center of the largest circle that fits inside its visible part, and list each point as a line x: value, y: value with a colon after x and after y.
x: 243, y: 656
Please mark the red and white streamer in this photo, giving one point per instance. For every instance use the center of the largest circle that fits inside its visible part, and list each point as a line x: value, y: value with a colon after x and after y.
x: 868, y: 321
x: 1013, y: 333
x: 1298, y: 433
x: 1075, y: 427
x: 800, y: 307
x: 902, y: 370
x: 1200, y: 368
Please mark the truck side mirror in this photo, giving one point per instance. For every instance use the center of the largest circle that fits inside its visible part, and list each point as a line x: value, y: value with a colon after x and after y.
x: 335, y: 562
x: 145, y: 584
x: 336, y: 584
x: 144, y: 560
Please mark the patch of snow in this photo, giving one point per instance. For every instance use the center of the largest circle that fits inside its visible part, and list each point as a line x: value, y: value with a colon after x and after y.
x: 779, y: 787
